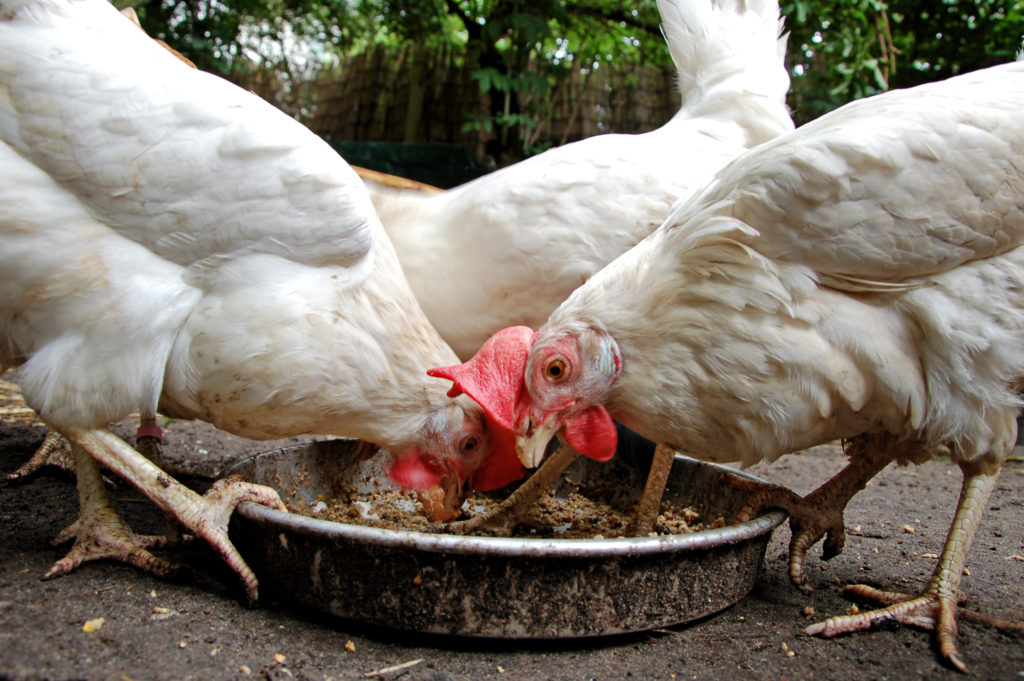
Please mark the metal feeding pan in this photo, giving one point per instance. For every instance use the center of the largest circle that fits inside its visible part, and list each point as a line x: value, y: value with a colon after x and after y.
x: 497, y: 587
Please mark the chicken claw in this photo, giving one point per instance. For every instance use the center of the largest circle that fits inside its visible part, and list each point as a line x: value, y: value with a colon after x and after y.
x: 935, y: 608
x: 498, y: 523
x: 820, y: 513
x: 204, y: 516
x: 210, y: 521
x: 55, y: 451
x: 225, y: 494
x: 104, y: 535
x: 931, y: 610
x: 807, y: 522
x: 100, y: 533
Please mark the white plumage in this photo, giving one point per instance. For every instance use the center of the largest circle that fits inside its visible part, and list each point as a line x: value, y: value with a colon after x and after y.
x: 858, y: 273
x: 167, y: 236
x: 861, y: 277
x: 508, y: 247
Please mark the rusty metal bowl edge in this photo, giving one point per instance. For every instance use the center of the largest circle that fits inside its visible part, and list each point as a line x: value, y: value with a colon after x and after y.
x: 497, y: 587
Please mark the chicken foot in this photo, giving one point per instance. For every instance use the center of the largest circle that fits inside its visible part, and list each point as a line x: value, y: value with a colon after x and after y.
x: 55, y: 451
x: 204, y: 516
x: 936, y: 607
x: 820, y: 513
x: 100, y: 533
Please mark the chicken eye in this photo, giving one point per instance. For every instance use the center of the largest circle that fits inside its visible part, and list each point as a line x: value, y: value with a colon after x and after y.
x: 470, y: 444
x: 556, y: 370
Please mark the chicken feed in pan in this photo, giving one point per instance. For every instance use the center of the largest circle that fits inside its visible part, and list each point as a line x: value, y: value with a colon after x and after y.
x: 563, y: 576
x: 580, y: 513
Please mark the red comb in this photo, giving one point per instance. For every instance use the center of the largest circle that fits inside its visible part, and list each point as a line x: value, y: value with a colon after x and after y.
x: 493, y: 377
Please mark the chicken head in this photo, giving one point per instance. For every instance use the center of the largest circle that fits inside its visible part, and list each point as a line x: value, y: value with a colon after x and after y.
x: 536, y: 385
x: 452, y: 460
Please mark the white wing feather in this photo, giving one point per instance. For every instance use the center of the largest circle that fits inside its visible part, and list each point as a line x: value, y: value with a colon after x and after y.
x: 508, y: 247
x: 166, y: 154
x: 863, y: 272
x: 904, y: 185
x: 167, y: 235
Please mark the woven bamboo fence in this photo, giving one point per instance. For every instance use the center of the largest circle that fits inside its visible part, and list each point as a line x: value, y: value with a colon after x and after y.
x: 416, y: 94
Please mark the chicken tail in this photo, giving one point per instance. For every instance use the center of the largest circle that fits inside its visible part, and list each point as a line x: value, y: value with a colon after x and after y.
x: 729, y: 55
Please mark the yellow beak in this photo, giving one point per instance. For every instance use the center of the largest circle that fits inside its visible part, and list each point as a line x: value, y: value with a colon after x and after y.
x: 531, y: 447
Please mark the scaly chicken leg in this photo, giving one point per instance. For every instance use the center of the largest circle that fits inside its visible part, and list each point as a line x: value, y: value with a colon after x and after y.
x: 936, y: 607
x: 503, y: 519
x: 512, y: 510
x: 99, y: 532
x: 149, y: 437
x: 820, y: 513
x: 55, y: 451
x: 650, y: 501
x: 205, y: 516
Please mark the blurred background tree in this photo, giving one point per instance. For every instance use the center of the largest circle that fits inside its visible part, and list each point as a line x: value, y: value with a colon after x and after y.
x: 519, y: 50
x: 845, y: 50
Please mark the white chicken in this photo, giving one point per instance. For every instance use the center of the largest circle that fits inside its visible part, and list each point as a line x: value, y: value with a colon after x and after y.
x: 55, y: 449
x: 534, y: 231
x: 859, y: 278
x: 539, y: 228
x: 165, y: 235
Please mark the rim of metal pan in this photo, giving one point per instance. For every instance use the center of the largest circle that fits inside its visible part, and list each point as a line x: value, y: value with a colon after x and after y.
x: 519, y: 546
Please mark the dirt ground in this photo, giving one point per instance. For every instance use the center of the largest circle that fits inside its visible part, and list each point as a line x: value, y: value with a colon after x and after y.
x: 141, y: 628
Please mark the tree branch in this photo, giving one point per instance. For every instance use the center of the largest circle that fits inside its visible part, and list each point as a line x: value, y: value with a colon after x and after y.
x: 617, y: 16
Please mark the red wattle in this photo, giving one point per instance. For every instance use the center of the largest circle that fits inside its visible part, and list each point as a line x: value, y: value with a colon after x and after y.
x: 411, y: 472
x: 592, y: 433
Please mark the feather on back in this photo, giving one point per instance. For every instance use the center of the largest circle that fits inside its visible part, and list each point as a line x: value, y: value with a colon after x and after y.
x: 862, y: 273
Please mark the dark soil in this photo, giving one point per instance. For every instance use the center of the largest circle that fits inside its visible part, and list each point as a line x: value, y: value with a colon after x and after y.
x: 198, y: 628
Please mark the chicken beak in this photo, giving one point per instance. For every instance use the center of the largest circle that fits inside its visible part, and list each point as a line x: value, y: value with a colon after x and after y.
x: 443, y: 501
x: 531, y: 446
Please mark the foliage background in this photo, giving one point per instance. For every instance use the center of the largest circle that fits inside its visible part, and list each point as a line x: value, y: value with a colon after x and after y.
x: 519, y: 52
